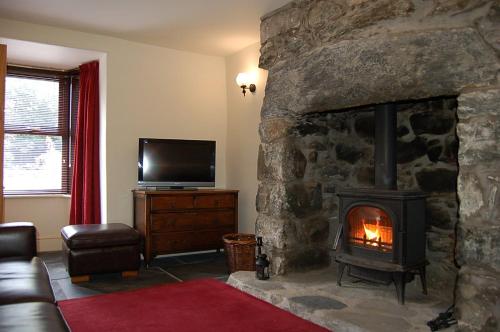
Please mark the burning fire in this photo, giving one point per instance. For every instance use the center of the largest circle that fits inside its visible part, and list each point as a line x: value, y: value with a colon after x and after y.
x: 372, y: 232
x: 370, y: 227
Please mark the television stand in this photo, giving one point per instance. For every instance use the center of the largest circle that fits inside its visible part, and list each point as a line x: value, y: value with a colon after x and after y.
x: 174, y: 221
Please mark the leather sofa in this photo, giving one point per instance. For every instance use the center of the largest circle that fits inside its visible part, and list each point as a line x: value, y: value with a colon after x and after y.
x: 27, y: 302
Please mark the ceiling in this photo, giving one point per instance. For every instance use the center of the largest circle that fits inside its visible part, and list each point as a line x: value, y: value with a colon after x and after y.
x: 24, y: 53
x: 215, y: 27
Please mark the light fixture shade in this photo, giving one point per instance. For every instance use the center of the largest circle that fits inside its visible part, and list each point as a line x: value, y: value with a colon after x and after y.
x: 242, y: 79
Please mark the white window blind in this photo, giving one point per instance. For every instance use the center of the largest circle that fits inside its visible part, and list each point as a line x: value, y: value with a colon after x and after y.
x: 39, y: 108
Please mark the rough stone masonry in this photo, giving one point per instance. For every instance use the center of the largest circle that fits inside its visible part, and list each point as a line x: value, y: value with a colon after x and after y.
x: 326, y: 56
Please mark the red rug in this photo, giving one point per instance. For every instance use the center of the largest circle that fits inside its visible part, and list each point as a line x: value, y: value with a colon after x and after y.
x: 201, y: 305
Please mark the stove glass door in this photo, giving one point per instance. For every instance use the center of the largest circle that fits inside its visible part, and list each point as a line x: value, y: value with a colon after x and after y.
x: 370, y: 227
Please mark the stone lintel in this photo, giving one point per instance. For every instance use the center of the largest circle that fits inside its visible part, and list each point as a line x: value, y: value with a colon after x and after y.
x: 383, y: 69
x: 304, y: 24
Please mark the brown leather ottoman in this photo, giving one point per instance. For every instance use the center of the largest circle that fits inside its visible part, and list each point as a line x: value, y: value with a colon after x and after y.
x: 90, y: 249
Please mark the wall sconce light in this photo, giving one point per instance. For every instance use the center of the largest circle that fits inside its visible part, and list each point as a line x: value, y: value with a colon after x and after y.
x: 244, y: 82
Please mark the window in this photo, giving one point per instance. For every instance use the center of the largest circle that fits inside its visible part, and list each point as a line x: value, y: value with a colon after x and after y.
x: 40, y: 113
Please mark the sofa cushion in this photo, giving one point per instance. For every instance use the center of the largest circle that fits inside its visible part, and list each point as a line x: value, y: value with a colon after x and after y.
x: 24, y: 281
x: 31, y: 316
x: 17, y: 240
x: 99, y: 236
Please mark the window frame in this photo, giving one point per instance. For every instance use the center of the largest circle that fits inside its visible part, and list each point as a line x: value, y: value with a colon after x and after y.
x: 67, y: 114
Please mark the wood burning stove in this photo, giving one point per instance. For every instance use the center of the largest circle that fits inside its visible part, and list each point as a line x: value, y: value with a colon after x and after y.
x: 383, y: 236
x: 382, y: 231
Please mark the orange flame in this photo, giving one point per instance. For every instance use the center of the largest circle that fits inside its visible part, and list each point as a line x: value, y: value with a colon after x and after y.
x: 372, y: 232
x: 371, y: 227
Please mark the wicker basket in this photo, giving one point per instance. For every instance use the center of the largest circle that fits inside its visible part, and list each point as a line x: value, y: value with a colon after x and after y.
x: 240, y: 251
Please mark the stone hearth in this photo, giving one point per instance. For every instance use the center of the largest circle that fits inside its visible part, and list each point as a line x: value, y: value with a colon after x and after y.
x: 354, y: 307
x: 329, y: 62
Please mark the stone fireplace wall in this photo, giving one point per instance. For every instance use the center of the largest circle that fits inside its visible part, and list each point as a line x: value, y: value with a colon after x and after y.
x: 324, y: 56
x: 339, y: 152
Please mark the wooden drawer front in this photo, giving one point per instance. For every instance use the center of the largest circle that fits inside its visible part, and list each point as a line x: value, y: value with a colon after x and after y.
x: 171, y: 202
x: 188, y: 241
x: 190, y: 221
x: 214, y: 201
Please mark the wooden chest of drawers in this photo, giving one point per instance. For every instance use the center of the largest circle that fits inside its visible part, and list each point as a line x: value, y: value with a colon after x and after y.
x: 173, y: 221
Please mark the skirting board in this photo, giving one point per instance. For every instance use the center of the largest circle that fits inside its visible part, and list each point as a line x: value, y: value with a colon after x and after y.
x: 49, y: 243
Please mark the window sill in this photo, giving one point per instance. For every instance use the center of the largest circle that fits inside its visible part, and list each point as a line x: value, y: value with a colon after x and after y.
x: 38, y: 196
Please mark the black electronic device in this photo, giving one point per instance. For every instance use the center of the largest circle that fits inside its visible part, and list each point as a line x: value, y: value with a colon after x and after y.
x: 176, y: 163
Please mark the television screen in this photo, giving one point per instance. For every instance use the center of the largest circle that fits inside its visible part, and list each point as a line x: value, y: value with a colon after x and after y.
x: 176, y: 163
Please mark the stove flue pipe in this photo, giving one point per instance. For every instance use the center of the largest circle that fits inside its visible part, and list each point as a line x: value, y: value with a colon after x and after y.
x: 385, y: 147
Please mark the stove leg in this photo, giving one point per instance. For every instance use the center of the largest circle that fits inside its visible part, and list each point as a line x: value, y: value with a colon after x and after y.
x: 400, y: 283
x: 340, y: 272
x: 423, y: 280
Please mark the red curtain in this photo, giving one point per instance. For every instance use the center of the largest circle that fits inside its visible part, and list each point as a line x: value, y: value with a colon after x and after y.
x: 85, y: 196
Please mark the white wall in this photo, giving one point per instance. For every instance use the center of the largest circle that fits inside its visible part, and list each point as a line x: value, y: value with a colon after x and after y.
x: 242, y: 132
x: 150, y: 92
x: 49, y: 213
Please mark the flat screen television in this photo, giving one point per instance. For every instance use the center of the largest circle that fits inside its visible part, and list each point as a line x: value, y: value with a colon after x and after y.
x: 176, y: 163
